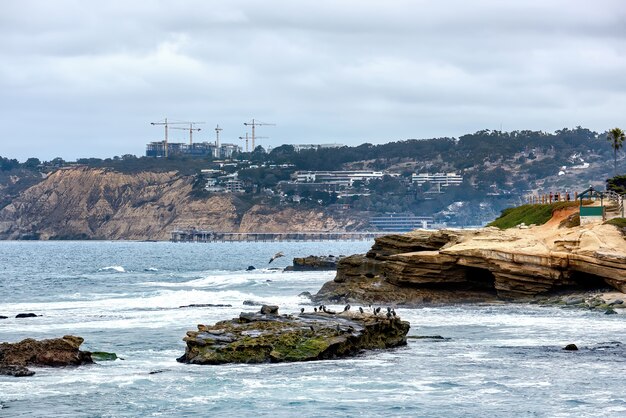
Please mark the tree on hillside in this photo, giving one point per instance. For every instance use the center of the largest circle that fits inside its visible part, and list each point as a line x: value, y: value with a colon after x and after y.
x: 617, y: 184
x: 616, y: 138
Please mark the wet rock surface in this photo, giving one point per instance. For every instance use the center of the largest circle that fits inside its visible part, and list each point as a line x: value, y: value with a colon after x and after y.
x: 314, y: 263
x: 256, y: 337
x: 57, y: 352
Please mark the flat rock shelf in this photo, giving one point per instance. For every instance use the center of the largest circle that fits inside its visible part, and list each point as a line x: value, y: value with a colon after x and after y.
x: 266, y: 337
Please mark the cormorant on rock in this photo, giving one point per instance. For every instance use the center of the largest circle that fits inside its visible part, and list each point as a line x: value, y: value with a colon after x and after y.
x: 360, y: 309
x: 277, y: 255
x: 388, y: 309
x: 393, y: 312
x: 315, y: 309
x: 377, y: 310
x: 388, y: 315
x: 347, y: 308
x: 301, y: 310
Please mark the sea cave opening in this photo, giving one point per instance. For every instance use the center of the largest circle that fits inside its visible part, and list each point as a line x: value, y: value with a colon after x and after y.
x: 586, y: 281
x: 480, y: 279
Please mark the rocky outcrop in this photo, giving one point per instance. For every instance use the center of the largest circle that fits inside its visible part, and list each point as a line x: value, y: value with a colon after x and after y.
x: 87, y: 203
x: 314, y: 263
x: 447, y: 265
x: 270, y: 337
x: 57, y: 352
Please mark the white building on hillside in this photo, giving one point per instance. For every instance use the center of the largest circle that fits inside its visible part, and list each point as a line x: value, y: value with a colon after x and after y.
x: 440, y: 179
x: 342, y: 178
x: 300, y: 147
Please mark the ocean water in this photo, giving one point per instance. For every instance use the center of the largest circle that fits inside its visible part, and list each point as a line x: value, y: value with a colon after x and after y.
x: 126, y: 297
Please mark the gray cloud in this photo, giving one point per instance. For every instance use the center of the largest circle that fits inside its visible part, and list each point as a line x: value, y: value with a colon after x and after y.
x: 85, y: 78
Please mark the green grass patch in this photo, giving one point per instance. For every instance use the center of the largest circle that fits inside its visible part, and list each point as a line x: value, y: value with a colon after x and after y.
x: 529, y: 214
x: 618, y: 222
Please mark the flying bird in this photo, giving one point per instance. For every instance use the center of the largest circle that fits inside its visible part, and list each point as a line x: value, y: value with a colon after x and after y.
x: 277, y: 255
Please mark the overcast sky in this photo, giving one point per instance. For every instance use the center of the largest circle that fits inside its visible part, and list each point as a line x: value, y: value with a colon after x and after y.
x: 86, y: 78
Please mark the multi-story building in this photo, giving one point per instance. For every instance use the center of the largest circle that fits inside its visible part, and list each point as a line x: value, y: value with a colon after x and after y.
x: 400, y: 222
x: 222, y: 184
x: 227, y: 150
x: 301, y: 147
x: 199, y: 149
x: 441, y: 179
x: 339, y: 178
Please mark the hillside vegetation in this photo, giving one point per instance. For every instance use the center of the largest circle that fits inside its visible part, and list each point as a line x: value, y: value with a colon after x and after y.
x: 537, y: 214
x: 499, y: 170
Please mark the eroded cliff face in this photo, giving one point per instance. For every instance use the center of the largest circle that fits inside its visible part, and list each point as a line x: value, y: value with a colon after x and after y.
x: 443, y: 266
x: 104, y: 204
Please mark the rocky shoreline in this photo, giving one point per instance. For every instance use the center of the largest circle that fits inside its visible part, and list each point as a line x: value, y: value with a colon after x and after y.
x: 486, y: 265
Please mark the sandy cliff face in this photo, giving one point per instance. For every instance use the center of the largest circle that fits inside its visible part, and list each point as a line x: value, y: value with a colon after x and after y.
x: 103, y: 204
x: 260, y: 218
x: 431, y: 266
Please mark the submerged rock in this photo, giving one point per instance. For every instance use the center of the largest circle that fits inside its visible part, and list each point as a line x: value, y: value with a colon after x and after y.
x: 103, y: 356
x: 17, y: 371
x: 570, y: 347
x: 26, y: 315
x: 56, y: 352
x: 4, y: 317
x: 261, y: 338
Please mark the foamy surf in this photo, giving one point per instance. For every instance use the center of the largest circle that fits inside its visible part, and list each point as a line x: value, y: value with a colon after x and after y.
x: 118, y: 269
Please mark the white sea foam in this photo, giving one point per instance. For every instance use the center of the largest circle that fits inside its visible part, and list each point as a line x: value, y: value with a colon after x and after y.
x: 118, y: 269
x: 231, y: 279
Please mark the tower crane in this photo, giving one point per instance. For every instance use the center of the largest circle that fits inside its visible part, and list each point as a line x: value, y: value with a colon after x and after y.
x: 190, y: 129
x: 246, y: 138
x: 166, y: 123
x: 217, y: 141
x: 256, y: 137
x: 254, y: 124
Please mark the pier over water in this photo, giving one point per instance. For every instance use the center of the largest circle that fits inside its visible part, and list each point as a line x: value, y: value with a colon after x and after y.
x: 198, y: 235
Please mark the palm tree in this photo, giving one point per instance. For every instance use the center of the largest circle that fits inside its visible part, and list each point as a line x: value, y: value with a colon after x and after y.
x: 616, y: 137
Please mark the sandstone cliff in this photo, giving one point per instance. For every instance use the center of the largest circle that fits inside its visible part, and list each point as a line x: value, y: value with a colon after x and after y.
x: 462, y: 265
x: 104, y: 204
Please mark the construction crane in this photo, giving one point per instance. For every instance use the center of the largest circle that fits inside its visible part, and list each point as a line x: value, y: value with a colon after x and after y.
x: 246, y: 138
x: 217, y: 141
x: 254, y: 124
x: 190, y: 129
x: 166, y: 123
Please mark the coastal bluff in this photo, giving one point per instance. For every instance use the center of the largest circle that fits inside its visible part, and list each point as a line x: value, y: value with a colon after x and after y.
x: 269, y: 337
x: 101, y: 203
x: 482, y: 265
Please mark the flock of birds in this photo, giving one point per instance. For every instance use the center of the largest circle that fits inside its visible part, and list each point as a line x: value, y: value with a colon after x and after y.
x: 391, y: 313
